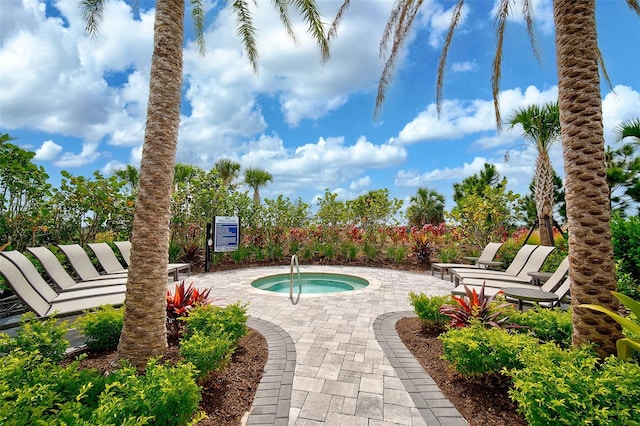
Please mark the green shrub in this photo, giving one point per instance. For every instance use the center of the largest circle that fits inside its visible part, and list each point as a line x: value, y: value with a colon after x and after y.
x: 568, y: 387
x: 102, y: 327
x: 328, y: 250
x: 349, y: 251
x: 206, y: 353
x: 449, y: 254
x: 168, y: 395
x: 554, y: 260
x: 229, y: 322
x: 625, y: 236
x: 370, y: 251
x: 507, y: 252
x: 43, y: 335
x: 427, y: 308
x: 37, y: 390
x: 548, y: 325
x: 626, y: 284
x: 397, y: 254
x: 475, y: 350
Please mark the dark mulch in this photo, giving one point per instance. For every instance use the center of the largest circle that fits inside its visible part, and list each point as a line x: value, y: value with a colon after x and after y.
x: 226, y: 395
x: 481, y: 402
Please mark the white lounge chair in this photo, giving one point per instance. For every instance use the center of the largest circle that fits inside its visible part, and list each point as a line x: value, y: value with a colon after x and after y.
x: 528, y: 259
x: 487, y: 255
x: 173, y: 269
x: 492, y: 287
x: 83, y: 266
x: 44, y: 301
x: 61, y: 277
x: 107, y: 258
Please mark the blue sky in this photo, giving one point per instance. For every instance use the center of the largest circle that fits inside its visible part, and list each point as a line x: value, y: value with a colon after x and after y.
x: 80, y: 102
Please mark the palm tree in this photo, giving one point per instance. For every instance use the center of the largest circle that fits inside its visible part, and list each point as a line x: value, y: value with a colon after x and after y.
x: 629, y: 129
x: 228, y: 170
x: 256, y: 179
x: 427, y: 206
x: 144, y: 330
x: 130, y: 175
x: 592, y: 268
x: 541, y: 127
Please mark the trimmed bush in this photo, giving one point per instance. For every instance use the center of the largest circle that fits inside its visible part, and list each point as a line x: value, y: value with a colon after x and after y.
x: 548, y: 325
x: 43, y: 335
x: 475, y: 350
x: 569, y: 387
x: 102, y: 327
x: 229, y: 322
x: 206, y: 353
x: 427, y: 308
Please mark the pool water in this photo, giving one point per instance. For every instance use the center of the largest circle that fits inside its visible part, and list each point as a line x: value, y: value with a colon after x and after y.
x: 312, y: 283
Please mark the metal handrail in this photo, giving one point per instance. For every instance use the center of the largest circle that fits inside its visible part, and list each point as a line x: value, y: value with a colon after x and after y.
x: 294, y: 259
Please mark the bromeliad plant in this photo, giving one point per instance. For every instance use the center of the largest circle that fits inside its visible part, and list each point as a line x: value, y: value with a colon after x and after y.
x: 475, y: 307
x: 180, y: 303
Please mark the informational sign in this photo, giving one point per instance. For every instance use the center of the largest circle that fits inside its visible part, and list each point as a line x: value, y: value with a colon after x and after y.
x: 226, y: 233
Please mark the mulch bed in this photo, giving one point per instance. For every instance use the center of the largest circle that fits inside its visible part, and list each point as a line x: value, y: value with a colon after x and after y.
x: 481, y: 402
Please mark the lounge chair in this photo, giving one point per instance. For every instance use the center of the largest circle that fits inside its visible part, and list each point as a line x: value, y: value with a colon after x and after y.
x: 107, y: 258
x: 528, y: 259
x: 173, y: 269
x: 31, y: 273
x: 61, y: 277
x: 44, y: 301
x: 488, y: 253
x: 492, y: 287
x: 83, y: 266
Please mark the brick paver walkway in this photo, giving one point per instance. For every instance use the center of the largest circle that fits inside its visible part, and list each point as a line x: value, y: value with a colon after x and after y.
x: 335, y: 359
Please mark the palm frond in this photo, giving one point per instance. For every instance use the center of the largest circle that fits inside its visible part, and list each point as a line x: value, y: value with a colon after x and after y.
x: 333, y: 31
x: 629, y: 128
x: 526, y: 12
x: 634, y: 5
x: 309, y: 10
x: 197, y: 14
x: 282, y: 7
x: 455, y: 19
x: 92, y: 15
x: 501, y: 23
x: 246, y: 30
x: 402, y: 15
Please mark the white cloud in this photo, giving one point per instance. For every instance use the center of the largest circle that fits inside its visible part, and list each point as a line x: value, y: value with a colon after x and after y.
x: 48, y: 151
x: 88, y: 155
x: 459, y: 118
x: 111, y: 167
x: 465, y: 66
x: 441, y: 21
x: 620, y: 105
x: 360, y: 184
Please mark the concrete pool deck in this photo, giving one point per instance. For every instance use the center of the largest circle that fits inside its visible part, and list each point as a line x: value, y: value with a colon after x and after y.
x: 335, y: 358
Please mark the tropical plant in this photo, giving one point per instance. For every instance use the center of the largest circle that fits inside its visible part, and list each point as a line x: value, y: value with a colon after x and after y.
x: 478, y: 183
x: 578, y: 57
x: 144, y: 332
x: 629, y: 129
x: 528, y: 203
x: 130, y: 175
x: 541, y: 128
x: 427, y: 206
x: 627, y: 345
x: 475, y: 308
x: 228, y: 170
x: 623, y: 177
x: 256, y: 178
x: 24, y: 189
x: 180, y: 304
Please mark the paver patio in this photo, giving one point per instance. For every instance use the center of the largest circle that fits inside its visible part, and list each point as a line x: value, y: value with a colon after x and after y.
x: 335, y: 359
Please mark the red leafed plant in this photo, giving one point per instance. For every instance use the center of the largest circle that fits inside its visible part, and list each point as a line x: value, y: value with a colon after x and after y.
x: 180, y: 303
x: 475, y: 307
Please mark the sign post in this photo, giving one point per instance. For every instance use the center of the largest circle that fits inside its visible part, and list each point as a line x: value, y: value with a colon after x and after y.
x: 224, y: 237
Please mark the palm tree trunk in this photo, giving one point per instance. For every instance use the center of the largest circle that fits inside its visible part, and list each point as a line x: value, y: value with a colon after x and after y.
x: 544, y: 197
x: 144, y: 331
x: 592, y: 268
